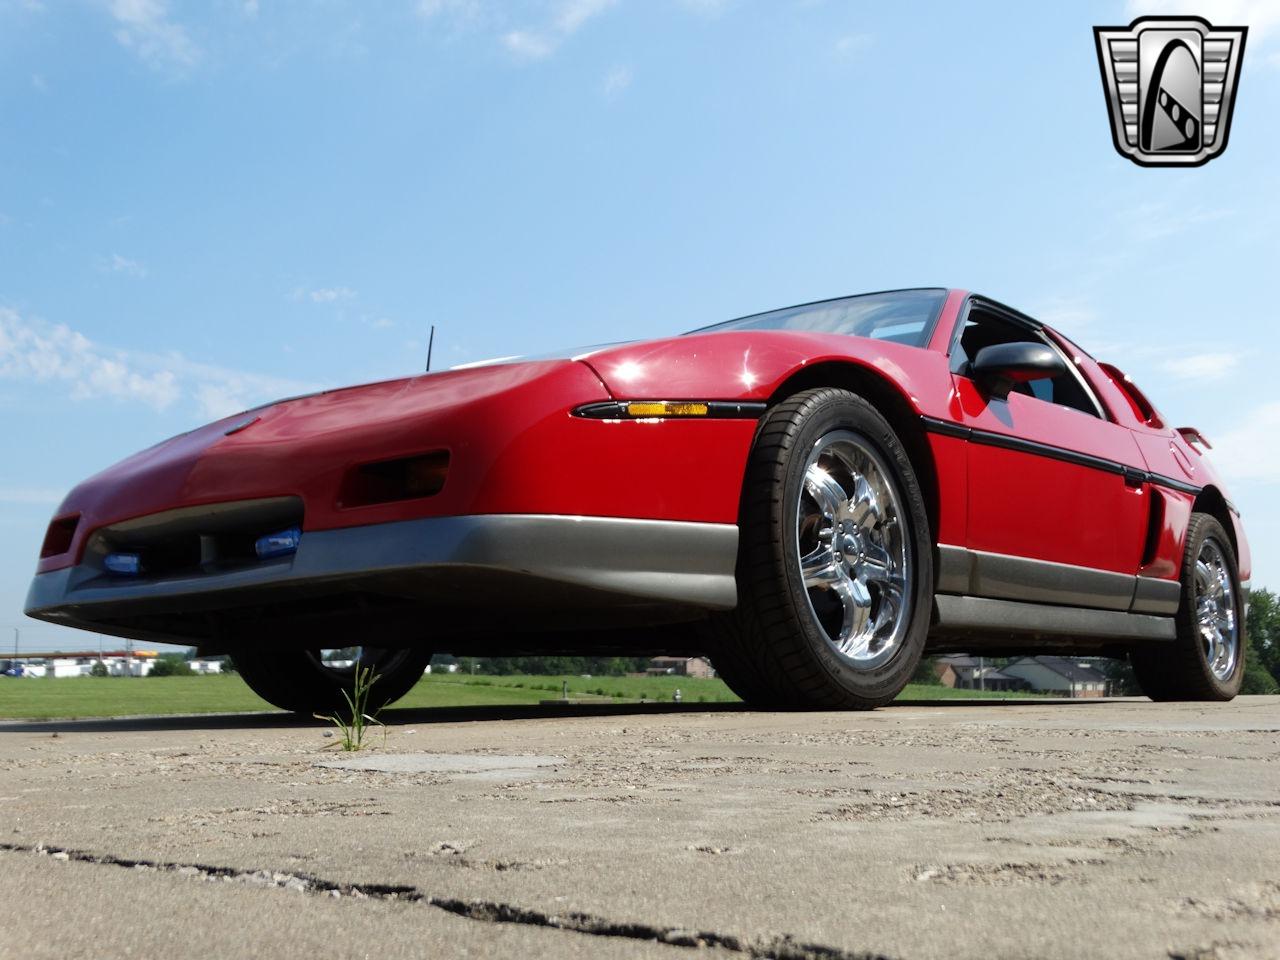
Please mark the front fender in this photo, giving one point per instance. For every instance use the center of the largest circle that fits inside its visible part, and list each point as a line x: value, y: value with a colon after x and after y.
x: 753, y: 365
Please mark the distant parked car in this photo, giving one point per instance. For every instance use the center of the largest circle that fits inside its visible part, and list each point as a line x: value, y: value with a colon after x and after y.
x: 814, y: 497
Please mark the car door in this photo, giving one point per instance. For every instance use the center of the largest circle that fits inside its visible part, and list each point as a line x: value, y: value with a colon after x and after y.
x: 1054, y: 512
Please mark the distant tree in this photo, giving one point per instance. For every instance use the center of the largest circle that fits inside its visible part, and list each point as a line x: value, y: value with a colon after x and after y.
x: 1263, y: 628
x: 1258, y: 680
x: 1119, y: 673
x: 170, y: 665
x: 927, y: 673
x: 229, y: 666
x: 552, y: 666
x: 99, y: 669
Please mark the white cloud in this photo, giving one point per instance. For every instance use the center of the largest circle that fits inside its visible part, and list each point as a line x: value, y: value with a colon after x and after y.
x: 456, y: 10
x: 531, y: 46
x: 30, y: 495
x: 852, y: 44
x: 1202, y: 366
x: 323, y: 294
x: 574, y: 13
x: 1250, y: 452
x: 1070, y: 317
x: 616, y: 81
x: 118, y: 264
x: 222, y: 399
x: 144, y: 27
x: 567, y: 19
x: 1260, y: 16
x: 54, y: 352
x: 1159, y: 220
x: 34, y: 351
x: 707, y: 8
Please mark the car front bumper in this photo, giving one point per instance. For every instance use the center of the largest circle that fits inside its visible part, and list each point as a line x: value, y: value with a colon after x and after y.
x: 525, y: 570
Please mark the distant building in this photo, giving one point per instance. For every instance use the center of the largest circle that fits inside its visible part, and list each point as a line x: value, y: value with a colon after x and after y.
x: 680, y: 667
x: 203, y: 665
x: 972, y: 673
x: 1060, y: 675
x: 119, y: 663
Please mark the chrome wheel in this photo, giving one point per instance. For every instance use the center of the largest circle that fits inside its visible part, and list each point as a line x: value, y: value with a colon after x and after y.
x: 853, y: 549
x: 343, y: 662
x: 1215, y: 611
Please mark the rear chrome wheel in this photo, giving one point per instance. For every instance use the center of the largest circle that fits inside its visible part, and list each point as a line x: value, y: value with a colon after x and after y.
x: 853, y: 558
x: 835, y: 563
x: 1215, y: 610
x: 1206, y: 659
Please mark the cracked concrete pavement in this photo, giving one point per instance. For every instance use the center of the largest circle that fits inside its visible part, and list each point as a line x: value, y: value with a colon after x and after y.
x: 1067, y: 829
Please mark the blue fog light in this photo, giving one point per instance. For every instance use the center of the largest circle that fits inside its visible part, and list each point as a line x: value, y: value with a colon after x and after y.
x: 278, y: 544
x: 126, y: 564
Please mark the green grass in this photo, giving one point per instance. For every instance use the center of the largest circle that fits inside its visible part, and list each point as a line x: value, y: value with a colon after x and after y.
x: 39, y: 698
x: 71, y: 697
x: 692, y: 689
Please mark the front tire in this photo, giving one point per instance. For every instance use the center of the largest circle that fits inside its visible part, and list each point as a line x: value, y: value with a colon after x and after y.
x: 835, y: 570
x: 1206, y: 660
x: 299, y: 680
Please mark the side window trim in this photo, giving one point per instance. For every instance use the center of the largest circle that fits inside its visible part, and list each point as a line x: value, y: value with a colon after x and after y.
x: 1099, y: 410
x: 1033, y: 328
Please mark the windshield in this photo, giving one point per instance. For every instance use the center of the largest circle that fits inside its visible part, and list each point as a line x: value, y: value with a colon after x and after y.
x: 902, y: 316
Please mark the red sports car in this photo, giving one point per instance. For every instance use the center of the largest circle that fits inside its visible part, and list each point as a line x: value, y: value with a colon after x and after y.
x: 815, y: 497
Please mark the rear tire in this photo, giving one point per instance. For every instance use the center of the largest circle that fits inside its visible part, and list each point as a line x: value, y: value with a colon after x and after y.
x: 835, y: 564
x: 1206, y: 661
x: 299, y: 681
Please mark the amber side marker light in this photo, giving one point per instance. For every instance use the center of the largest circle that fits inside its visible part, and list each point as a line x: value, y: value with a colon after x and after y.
x: 651, y: 409
x: 407, y: 478
x: 59, y: 537
x: 663, y: 408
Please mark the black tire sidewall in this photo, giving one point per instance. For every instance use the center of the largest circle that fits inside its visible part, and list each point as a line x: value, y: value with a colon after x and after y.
x: 293, y: 680
x: 1205, y: 527
x: 840, y: 410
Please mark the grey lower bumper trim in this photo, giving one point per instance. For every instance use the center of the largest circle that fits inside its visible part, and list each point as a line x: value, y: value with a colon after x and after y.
x: 647, y: 560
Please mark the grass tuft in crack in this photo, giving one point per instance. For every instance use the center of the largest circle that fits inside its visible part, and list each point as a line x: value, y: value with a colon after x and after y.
x: 354, y: 724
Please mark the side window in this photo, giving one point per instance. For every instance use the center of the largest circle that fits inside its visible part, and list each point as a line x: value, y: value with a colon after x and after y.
x: 983, y: 328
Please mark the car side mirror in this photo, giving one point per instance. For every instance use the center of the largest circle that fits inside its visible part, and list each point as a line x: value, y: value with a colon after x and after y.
x: 999, y: 367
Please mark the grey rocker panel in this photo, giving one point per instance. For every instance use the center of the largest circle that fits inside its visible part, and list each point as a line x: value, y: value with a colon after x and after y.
x: 961, y: 615
x: 995, y: 575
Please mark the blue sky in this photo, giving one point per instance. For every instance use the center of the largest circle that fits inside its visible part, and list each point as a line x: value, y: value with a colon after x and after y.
x: 208, y: 205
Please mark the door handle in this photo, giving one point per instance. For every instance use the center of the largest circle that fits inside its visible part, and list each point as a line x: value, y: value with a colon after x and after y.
x: 1134, y: 477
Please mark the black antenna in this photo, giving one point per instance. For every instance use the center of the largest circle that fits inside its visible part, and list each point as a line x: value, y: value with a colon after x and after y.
x: 431, y: 342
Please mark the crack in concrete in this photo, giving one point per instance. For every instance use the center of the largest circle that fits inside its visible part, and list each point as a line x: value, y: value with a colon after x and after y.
x: 783, y: 947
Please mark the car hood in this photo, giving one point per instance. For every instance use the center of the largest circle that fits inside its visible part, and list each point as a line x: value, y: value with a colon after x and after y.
x: 302, y: 445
